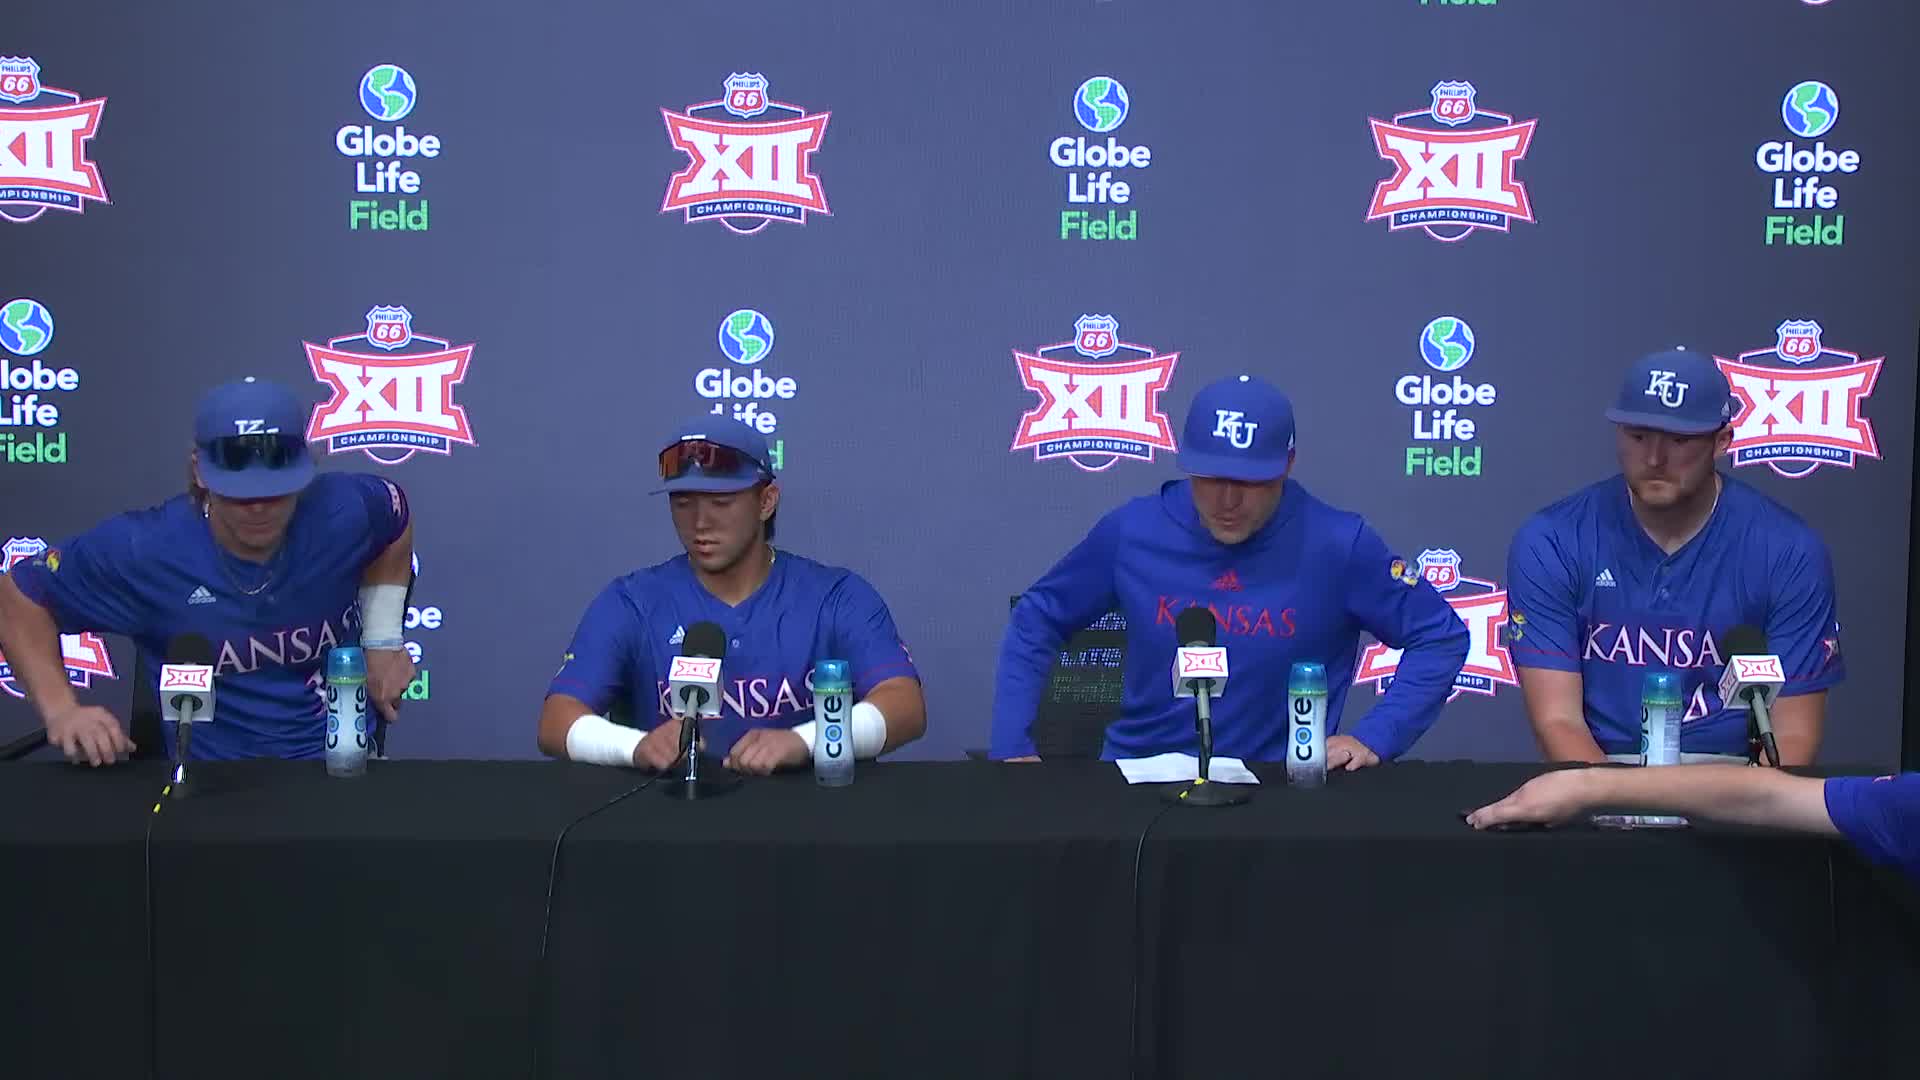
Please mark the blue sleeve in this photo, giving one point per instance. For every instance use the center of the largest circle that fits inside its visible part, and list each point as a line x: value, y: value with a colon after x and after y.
x: 1880, y: 818
x: 862, y: 631
x: 1076, y: 591
x: 1412, y: 617
x: 1543, y: 622
x: 598, y: 666
x: 386, y: 510
x: 86, y: 583
x: 1802, y: 627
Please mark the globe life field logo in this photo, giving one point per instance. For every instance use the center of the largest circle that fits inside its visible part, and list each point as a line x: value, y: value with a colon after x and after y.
x: 1099, y: 170
x: 1800, y: 171
x: 743, y: 390
x: 1442, y: 408
x: 33, y: 391
x: 384, y: 157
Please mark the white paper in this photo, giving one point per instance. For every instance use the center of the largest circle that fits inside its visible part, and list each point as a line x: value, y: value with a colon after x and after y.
x: 1175, y: 768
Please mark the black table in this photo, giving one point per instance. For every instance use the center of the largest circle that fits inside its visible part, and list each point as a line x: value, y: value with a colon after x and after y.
x: 959, y: 919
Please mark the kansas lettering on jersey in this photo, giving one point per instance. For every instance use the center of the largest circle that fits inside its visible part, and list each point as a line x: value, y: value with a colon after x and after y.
x: 1880, y: 817
x: 149, y: 574
x: 804, y: 612
x: 1302, y: 588
x: 1591, y: 593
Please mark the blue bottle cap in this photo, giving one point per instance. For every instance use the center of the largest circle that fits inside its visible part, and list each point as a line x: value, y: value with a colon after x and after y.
x: 831, y: 673
x: 1661, y: 688
x: 1307, y: 677
x: 346, y: 662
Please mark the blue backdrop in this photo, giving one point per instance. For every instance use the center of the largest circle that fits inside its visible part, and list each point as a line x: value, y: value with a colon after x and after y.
x: 505, y: 247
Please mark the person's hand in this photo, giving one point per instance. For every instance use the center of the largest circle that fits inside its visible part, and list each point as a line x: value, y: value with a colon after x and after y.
x: 1024, y: 760
x: 1546, y: 800
x: 388, y: 673
x: 90, y: 734
x: 1349, y: 753
x: 660, y: 748
x: 765, y: 750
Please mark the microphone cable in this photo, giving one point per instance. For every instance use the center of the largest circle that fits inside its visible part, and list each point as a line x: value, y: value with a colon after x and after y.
x: 536, y: 997
x: 1139, y: 944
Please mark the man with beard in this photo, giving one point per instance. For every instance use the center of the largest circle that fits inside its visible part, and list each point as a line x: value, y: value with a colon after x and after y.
x: 1650, y: 569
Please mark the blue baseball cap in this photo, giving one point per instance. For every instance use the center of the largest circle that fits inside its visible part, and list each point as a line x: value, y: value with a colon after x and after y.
x: 1240, y: 428
x: 252, y: 437
x: 1678, y: 391
x: 704, y: 471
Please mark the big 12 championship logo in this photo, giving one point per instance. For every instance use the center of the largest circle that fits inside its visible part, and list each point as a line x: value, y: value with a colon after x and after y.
x: 1489, y: 664
x: 43, y: 145
x: 750, y: 159
x: 84, y: 655
x: 1098, y: 409
x: 393, y: 401
x: 1453, y: 167
x: 1800, y: 402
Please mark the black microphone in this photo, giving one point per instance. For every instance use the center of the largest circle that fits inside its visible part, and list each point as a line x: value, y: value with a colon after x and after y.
x: 1200, y: 672
x: 1753, y: 678
x: 186, y: 696
x: 693, y: 690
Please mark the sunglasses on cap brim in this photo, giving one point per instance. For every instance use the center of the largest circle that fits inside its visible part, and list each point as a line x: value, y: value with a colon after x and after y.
x: 236, y: 452
x: 711, y: 458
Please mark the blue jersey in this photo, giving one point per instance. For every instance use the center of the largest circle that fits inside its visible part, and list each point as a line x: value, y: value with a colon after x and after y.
x: 156, y: 573
x: 804, y: 612
x: 1303, y: 587
x: 1879, y: 817
x: 1591, y: 592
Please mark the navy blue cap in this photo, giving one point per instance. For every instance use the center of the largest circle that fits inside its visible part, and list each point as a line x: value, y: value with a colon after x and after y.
x: 253, y: 407
x: 1678, y: 391
x: 1240, y: 428
x: 724, y: 432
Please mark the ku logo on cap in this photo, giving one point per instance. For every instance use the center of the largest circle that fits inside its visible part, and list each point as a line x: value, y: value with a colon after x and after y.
x: 1228, y: 425
x: 1661, y: 384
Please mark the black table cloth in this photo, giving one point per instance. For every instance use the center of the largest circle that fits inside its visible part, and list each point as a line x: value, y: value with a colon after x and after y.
x: 934, y: 919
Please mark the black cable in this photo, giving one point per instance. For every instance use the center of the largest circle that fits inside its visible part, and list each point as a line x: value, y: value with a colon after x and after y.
x: 1139, y: 946
x: 546, y: 914
x: 153, y: 964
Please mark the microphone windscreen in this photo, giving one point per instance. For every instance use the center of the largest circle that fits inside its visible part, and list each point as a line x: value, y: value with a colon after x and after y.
x: 1744, y: 640
x: 1194, y: 626
x: 189, y: 649
x: 705, y: 639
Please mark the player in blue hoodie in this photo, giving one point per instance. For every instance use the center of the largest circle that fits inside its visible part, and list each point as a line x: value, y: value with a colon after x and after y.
x: 1286, y: 577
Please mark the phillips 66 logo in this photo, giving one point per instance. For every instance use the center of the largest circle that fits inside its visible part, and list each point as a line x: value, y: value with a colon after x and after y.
x: 1453, y: 165
x: 1800, y: 403
x: 84, y: 655
x: 1481, y: 605
x: 43, y: 145
x: 750, y: 158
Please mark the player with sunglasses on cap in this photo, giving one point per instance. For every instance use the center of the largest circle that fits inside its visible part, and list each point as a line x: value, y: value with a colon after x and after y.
x: 780, y: 612
x: 1287, y: 578
x: 1650, y: 569
x: 271, y: 563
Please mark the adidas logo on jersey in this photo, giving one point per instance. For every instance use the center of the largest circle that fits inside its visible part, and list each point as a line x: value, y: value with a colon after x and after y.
x: 200, y: 595
x: 1227, y: 582
x: 1604, y: 580
x: 679, y: 635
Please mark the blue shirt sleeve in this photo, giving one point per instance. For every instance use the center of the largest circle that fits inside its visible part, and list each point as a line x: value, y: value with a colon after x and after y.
x: 862, y: 631
x: 598, y: 667
x: 386, y: 509
x: 1415, y: 619
x: 1880, y: 818
x: 1543, y: 600
x: 87, y: 582
x: 1078, y: 589
x: 1802, y: 626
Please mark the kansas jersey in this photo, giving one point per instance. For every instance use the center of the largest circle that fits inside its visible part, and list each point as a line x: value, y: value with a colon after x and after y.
x: 157, y: 573
x: 1301, y: 588
x: 1591, y: 592
x: 804, y: 612
x: 1879, y: 817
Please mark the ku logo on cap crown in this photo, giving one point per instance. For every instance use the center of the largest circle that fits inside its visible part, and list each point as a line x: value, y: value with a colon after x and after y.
x: 1228, y: 425
x: 1662, y: 384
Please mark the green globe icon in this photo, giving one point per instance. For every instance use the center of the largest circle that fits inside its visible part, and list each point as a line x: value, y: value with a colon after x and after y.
x: 26, y: 327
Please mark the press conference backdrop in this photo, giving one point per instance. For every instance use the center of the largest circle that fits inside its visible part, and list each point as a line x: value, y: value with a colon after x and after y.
x: 966, y: 264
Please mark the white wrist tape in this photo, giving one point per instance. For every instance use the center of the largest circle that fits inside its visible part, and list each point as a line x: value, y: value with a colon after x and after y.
x: 597, y: 740
x: 382, y: 610
x: 866, y: 727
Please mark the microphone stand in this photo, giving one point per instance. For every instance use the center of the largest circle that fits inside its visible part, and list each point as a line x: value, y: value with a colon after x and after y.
x: 1203, y: 791
x: 691, y: 785
x: 178, y: 787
